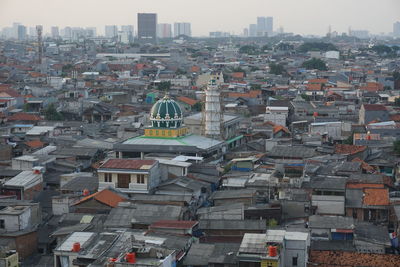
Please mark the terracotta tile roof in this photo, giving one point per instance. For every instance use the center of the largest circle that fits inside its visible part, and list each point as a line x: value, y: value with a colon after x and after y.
x: 395, y: 117
x: 133, y: 164
x: 238, y: 75
x: 374, y: 107
x: 365, y: 166
x: 24, y: 117
x: 105, y: 196
x: 34, y: 74
x: 318, y: 81
x: 195, y: 69
x: 9, y: 91
x: 348, y: 149
x: 351, y: 259
x: 314, y: 87
x: 187, y: 100
x: 278, y: 128
x: 363, y: 185
x: 35, y: 144
x: 372, y: 87
x: 250, y: 94
x: 174, y: 224
x: 376, y: 197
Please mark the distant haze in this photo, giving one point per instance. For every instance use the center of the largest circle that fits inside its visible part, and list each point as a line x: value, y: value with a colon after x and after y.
x: 298, y: 16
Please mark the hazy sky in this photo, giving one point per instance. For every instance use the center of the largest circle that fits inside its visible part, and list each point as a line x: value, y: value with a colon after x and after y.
x: 299, y: 16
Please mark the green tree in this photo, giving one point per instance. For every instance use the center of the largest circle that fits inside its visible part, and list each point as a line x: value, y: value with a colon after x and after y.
x: 249, y: 49
x: 314, y: 63
x: 397, y: 101
x: 164, y: 86
x: 272, y: 222
x: 349, y: 140
x: 51, y: 113
x: 316, y: 46
x: 396, y: 147
x: 197, y: 106
x: 276, y: 69
x: 305, y: 97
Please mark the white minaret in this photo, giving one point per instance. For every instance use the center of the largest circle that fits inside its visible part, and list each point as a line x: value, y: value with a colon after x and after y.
x: 213, y: 111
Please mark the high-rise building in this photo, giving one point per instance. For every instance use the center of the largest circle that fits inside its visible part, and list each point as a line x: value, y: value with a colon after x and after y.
x: 264, y: 26
x: 91, y: 32
x: 164, y: 30
x: 396, y: 29
x: 147, y: 27
x: 182, y: 28
x: 110, y: 31
x: 253, y: 30
x: 270, y: 26
x: 245, y: 32
x: 54, y: 32
x: 126, y: 34
x: 67, y: 33
x: 15, y: 30
x: 21, y: 32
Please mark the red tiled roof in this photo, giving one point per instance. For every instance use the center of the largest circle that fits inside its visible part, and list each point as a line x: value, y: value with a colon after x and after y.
x: 314, y: 87
x: 9, y: 91
x: 187, y: 100
x: 376, y: 197
x: 174, y: 224
x: 374, y: 107
x: 318, y: 81
x: 250, y: 94
x: 35, y: 144
x: 105, y: 196
x: 363, y: 185
x: 133, y: 164
x: 238, y: 75
x: 368, y: 168
x: 348, y: 149
x: 395, y: 117
x: 278, y: 128
x: 24, y: 117
x: 351, y: 259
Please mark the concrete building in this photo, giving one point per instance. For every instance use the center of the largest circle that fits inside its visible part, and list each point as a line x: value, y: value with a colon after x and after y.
x: 164, y: 30
x: 129, y: 175
x: 252, y: 30
x: 182, y: 28
x: 264, y: 26
x: 147, y: 27
x: 213, y: 115
x: 111, y: 31
x: 276, y: 248
x: 373, y: 112
x: 396, y: 29
x: 55, y: 32
x: 277, y: 115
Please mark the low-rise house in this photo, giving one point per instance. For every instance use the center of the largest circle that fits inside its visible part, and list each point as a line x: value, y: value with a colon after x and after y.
x: 129, y: 175
x: 245, y: 196
x: 24, y: 186
x: 99, y: 202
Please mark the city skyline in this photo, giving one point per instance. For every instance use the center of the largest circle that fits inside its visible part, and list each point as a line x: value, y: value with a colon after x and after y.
x: 224, y: 16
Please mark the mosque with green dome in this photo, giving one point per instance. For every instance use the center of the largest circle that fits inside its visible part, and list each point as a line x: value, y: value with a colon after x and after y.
x: 167, y: 135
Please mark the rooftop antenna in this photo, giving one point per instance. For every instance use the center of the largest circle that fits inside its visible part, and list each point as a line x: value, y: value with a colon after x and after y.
x: 39, y: 30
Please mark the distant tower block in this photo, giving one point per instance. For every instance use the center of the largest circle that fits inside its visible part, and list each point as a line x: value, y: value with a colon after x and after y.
x: 212, y: 111
x: 39, y: 30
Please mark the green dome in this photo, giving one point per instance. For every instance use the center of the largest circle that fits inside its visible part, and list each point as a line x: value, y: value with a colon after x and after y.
x: 166, y: 113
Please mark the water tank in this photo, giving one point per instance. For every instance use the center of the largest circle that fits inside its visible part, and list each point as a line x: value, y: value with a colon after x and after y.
x: 130, y: 257
x: 76, y: 247
x: 272, y: 251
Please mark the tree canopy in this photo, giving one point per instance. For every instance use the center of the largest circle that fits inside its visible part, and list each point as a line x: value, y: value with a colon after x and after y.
x: 276, y: 69
x: 249, y: 49
x: 51, y: 114
x: 316, y: 46
x: 314, y: 63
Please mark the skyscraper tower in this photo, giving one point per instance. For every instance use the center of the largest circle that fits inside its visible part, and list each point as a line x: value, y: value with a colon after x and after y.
x: 147, y: 27
x: 39, y: 30
x: 213, y: 114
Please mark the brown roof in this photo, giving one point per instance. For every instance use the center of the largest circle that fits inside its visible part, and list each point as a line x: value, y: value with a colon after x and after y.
x: 365, y: 166
x: 318, y: 81
x: 174, y: 224
x: 105, y: 196
x: 374, y: 107
x: 187, y: 100
x: 352, y: 259
x: 314, y: 87
x: 134, y: 164
x: 376, y: 197
x: 278, y: 128
x: 250, y: 94
x: 24, y: 117
x: 348, y: 149
x: 35, y: 144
